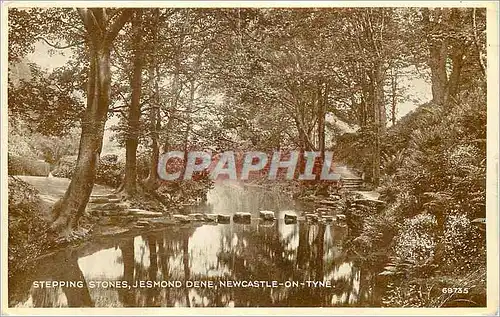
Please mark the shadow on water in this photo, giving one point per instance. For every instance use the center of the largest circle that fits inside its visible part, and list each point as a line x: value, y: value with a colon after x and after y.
x: 246, y: 252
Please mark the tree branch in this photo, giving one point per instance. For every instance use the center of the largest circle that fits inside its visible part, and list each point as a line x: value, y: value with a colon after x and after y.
x: 57, y: 46
x: 125, y: 15
x: 88, y: 24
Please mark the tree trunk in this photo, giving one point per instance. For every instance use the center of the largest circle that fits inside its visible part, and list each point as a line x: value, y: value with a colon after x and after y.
x: 175, y: 92
x: 394, y: 87
x: 438, y: 51
x: 454, y: 81
x: 152, y: 182
x: 437, y: 64
x: 192, y: 91
x: 379, y: 119
x: 69, y: 209
x: 321, y: 122
x: 132, y: 141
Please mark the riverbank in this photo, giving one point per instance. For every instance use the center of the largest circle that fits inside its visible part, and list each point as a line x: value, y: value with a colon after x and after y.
x: 30, y: 201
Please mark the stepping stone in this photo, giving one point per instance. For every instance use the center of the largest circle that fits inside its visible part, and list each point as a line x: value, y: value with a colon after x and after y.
x: 196, y: 217
x: 327, y: 202
x: 335, y: 197
x: 223, y: 218
x: 109, y: 196
x: 322, y: 209
x: 147, y: 213
x: 328, y: 218
x: 104, y: 200
x: 97, y: 200
x: 210, y: 217
x: 266, y: 215
x: 144, y: 213
x: 159, y: 221
x: 312, y: 217
x: 108, y: 213
x: 290, y: 218
x: 242, y: 217
x: 181, y: 218
x: 111, y: 206
x: 142, y: 224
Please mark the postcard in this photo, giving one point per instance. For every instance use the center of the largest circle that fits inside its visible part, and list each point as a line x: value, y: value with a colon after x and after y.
x: 249, y: 158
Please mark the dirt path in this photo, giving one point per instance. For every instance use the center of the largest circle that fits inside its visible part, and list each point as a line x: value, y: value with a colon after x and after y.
x: 344, y: 171
x: 347, y: 172
x: 370, y: 195
x: 53, y: 188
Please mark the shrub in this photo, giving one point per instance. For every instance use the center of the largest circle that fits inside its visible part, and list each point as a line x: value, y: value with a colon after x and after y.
x: 109, y: 169
x: 416, y: 240
x: 377, y: 233
x: 429, y: 292
x: 464, y: 245
x: 143, y: 164
x: 66, y: 166
x: 18, y: 165
x: 28, y: 230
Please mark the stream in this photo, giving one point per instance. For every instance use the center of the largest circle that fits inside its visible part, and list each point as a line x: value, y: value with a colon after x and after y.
x: 219, y: 265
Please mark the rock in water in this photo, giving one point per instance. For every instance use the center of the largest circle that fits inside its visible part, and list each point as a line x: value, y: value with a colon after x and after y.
x: 181, y: 218
x: 335, y: 197
x: 143, y: 213
x: 98, y: 200
x: 311, y: 217
x: 211, y: 217
x: 242, y: 217
x: 327, y: 202
x: 290, y: 218
x: 142, y: 224
x: 223, y: 218
x: 196, y: 217
x: 328, y: 218
x: 266, y: 215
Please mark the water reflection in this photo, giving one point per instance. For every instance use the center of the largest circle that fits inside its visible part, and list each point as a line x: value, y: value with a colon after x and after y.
x: 251, y: 252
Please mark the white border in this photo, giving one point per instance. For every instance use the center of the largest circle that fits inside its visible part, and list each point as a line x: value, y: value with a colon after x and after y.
x: 492, y: 168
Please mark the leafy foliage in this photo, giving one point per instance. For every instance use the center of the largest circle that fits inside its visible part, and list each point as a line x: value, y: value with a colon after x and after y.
x: 109, y: 170
x: 19, y: 165
x: 47, y: 101
x: 28, y: 229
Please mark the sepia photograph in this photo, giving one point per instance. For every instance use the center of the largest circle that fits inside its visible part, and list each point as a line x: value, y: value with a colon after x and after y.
x: 306, y: 156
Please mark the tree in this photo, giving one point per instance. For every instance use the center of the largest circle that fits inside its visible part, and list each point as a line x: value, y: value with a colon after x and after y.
x: 102, y: 27
x: 455, y: 42
x: 134, y: 113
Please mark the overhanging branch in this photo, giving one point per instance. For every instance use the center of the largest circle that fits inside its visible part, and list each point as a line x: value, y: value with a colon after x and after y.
x: 58, y: 46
